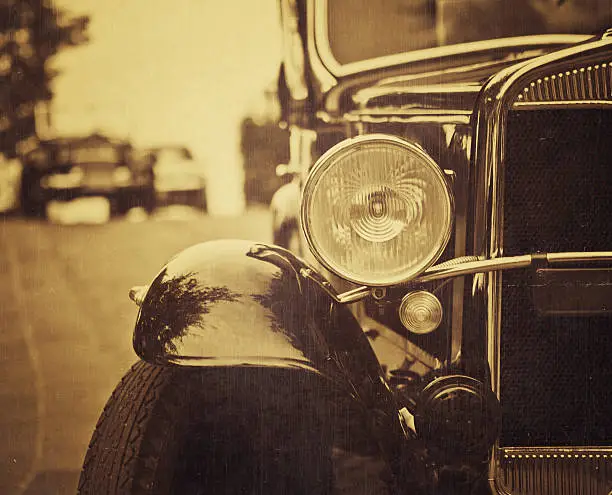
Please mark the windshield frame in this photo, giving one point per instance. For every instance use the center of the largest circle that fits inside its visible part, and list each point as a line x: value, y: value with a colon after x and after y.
x: 318, y: 32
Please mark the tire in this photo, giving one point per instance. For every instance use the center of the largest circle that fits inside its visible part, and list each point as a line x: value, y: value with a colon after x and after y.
x: 168, y: 430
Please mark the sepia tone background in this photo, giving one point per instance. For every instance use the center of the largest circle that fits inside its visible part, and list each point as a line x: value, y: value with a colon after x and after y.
x: 183, y: 72
x: 190, y: 73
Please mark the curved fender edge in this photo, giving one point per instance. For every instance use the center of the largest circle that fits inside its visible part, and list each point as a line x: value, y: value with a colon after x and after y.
x: 235, y: 303
x: 241, y: 303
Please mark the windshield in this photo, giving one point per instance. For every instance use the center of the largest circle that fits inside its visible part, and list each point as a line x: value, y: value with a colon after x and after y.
x: 358, y: 30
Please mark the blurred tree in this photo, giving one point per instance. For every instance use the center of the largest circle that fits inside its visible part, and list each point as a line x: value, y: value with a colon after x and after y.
x: 31, y: 32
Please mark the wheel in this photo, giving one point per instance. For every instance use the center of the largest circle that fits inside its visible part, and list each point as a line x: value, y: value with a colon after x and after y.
x: 169, y: 430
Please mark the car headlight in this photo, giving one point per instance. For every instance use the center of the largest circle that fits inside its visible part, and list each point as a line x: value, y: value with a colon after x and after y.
x: 376, y: 210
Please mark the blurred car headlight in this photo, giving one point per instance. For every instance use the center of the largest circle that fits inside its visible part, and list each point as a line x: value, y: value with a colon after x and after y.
x: 377, y: 210
x: 70, y: 180
x: 122, y: 176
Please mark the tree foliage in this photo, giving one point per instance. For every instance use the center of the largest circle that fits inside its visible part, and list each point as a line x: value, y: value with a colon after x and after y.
x: 31, y: 32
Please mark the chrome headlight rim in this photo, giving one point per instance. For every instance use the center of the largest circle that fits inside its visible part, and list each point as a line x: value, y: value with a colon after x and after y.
x: 351, y: 144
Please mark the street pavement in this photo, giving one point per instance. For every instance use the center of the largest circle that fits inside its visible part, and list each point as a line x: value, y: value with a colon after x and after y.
x: 66, y: 329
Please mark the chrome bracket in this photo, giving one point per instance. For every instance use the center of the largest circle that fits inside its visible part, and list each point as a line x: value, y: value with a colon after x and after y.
x: 465, y: 266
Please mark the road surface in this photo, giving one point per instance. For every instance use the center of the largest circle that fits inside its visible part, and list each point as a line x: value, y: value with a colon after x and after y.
x: 65, y: 338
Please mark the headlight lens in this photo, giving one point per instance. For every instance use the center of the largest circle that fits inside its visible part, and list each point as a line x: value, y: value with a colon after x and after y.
x: 376, y: 210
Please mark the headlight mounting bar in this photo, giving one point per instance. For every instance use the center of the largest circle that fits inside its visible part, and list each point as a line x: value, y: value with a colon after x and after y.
x: 448, y: 270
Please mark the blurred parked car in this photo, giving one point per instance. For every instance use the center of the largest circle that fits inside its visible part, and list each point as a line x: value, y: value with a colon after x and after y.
x: 64, y: 169
x: 178, y: 178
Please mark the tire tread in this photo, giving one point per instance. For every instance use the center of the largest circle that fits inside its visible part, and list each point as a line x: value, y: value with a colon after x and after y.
x: 113, y: 454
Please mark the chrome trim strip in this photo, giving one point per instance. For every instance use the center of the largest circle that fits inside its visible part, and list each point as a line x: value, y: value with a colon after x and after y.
x: 458, y: 268
x: 561, y: 451
x: 273, y: 362
x: 408, y: 111
x: 539, y: 105
x: 472, y: 267
x: 403, y: 118
x: 580, y: 256
x: 439, y: 272
x: 321, y: 42
x: 326, y: 79
x: 354, y: 295
x: 463, y: 69
x: 347, y: 297
x: 365, y: 95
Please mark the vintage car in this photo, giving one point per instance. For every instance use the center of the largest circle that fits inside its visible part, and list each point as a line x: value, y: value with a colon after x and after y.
x: 68, y: 168
x: 448, y: 328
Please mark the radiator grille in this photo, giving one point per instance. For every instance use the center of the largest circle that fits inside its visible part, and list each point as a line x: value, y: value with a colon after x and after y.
x: 556, y: 371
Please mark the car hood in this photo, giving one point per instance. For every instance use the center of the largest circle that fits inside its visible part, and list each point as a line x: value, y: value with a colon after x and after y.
x: 448, y: 82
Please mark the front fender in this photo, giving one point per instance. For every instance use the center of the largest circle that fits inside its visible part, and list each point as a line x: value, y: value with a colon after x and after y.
x: 240, y: 303
x: 236, y: 302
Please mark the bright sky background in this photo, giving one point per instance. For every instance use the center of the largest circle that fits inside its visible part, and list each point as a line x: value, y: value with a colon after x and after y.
x: 171, y: 71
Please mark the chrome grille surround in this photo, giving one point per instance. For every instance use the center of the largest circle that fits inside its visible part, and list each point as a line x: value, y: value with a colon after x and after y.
x: 560, y: 471
x: 526, y: 86
x: 585, y: 84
